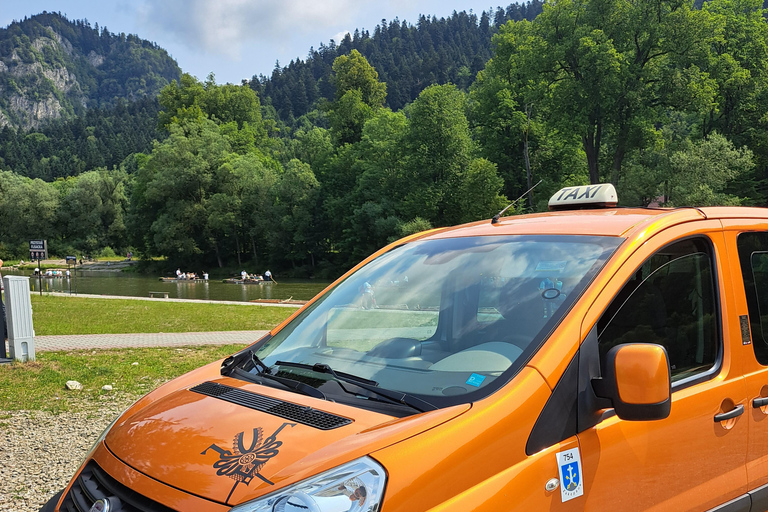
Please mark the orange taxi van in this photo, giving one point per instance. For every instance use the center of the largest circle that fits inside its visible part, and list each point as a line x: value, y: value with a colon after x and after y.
x: 588, y: 358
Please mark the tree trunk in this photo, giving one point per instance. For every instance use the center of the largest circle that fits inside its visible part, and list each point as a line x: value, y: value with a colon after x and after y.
x: 237, y: 247
x: 618, y: 159
x: 218, y: 256
x: 591, y: 144
x: 253, y: 248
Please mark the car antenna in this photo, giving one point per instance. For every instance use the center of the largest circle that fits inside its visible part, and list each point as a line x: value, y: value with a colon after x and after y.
x: 496, y: 217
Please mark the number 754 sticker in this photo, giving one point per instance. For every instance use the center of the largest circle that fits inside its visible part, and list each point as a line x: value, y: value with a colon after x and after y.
x: 569, y: 467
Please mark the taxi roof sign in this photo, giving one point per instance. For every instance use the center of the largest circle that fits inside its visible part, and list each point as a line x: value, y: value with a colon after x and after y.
x: 601, y: 195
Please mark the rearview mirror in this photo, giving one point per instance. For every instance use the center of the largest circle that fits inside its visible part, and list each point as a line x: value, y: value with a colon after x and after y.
x: 638, y: 381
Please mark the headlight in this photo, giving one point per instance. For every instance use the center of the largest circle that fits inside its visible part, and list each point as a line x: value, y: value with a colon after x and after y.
x: 357, y: 486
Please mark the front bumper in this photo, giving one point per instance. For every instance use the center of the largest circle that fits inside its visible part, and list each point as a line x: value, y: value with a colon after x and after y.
x: 104, y: 475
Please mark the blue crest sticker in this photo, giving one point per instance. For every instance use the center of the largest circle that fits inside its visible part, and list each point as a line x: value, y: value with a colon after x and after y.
x: 475, y: 380
x: 569, y: 467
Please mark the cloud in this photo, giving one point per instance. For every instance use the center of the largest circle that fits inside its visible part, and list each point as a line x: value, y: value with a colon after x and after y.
x: 341, y: 35
x: 223, y: 27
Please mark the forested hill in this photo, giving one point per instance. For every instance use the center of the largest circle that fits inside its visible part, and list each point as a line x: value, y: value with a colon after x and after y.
x: 407, y: 57
x: 51, y: 67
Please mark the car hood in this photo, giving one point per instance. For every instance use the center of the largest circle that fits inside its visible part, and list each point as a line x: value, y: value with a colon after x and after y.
x: 230, y: 441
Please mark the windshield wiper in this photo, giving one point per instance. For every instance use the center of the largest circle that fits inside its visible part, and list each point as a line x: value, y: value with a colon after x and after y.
x: 262, y: 374
x: 398, y: 397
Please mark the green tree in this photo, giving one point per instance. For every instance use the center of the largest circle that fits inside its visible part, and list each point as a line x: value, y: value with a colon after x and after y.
x: 169, y: 204
x: 28, y: 210
x: 699, y: 172
x: 604, y: 70
x: 257, y: 186
x: 372, y: 213
x: 353, y: 73
x: 348, y: 115
x: 92, y: 211
x: 295, y: 211
x: 359, y: 94
x: 682, y: 172
x: 439, y: 149
x: 479, y: 194
x: 235, y: 107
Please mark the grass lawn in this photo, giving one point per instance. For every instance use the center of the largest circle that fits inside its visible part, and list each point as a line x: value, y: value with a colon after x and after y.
x: 40, y: 385
x: 80, y: 315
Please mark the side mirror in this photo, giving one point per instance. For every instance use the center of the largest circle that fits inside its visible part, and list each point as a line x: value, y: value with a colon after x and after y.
x: 637, y: 381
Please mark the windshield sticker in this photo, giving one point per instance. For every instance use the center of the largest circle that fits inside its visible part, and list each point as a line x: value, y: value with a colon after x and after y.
x: 569, y: 466
x: 551, y: 266
x: 475, y: 380
x: 242, y: 464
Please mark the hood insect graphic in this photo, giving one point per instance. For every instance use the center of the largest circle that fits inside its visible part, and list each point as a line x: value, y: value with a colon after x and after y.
x: 242, y: 464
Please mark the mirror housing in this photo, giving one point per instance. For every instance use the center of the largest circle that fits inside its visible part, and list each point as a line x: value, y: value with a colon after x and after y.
x: 637, y: 381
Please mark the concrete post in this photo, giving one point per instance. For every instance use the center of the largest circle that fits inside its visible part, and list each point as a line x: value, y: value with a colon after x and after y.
x: 3, y: 353
x: 18, y: 305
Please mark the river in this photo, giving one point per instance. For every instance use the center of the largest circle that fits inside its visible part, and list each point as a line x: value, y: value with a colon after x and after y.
x: 136, y: 285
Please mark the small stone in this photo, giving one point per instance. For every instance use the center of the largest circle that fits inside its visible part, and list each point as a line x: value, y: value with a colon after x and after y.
x: 135, y: 364
x: 73, y: 385
x: 106, y: 387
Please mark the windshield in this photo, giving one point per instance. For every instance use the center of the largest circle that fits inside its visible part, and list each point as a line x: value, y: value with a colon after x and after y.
x: 446, y: 320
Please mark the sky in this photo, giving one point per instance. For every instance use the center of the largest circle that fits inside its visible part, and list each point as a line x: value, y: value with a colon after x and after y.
x: 237, y: 39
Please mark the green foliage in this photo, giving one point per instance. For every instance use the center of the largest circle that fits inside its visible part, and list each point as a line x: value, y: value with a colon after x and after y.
x: 701, y: 171
x: 234, y: 107
x: 92, y: 210
x: 359, y: 94
x: 478, y: 193
x: 407, y: 57
x: 686, y: 173
x: 664, y: 99
x: 107, y: 252
x: 353, y: 73
x: 100, y: 138
x: 416, y: 225
x: 348, y: 116
x: 172, y: 191
x: 28, y: 210
x: 440, y: 149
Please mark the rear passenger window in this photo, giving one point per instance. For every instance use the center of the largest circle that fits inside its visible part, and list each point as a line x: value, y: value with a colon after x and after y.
x: 669, y: 301
x: 753, y: 257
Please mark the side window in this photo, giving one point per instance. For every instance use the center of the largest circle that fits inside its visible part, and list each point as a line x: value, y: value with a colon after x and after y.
x: 669, y: 301
x: 753, y: 257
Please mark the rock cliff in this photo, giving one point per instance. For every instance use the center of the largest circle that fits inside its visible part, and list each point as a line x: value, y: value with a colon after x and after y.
x: 51, y: 67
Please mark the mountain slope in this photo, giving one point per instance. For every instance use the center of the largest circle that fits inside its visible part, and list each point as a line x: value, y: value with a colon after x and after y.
x: 407, y: 57
x: 51, y: 67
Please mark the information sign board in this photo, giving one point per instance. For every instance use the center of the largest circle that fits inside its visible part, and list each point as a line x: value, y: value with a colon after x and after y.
x: 38, y: 249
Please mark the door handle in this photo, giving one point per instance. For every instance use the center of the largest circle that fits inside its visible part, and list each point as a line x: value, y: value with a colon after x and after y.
x: 733, y: 413
x: 759, y: 402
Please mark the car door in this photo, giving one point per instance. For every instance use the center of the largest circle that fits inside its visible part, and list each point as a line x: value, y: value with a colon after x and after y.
x: 748, y: 246
x: 675, y: 296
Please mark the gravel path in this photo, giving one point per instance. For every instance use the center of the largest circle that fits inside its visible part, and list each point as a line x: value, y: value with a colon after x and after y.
x: 40, y: 451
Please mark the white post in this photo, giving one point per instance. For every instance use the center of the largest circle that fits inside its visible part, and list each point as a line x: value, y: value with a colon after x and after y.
x: 18, y: 307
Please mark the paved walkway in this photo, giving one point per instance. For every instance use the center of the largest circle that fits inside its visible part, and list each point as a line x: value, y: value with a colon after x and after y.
x: 171, y: 299
x: 107, y: 341
x: 140, y: 340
